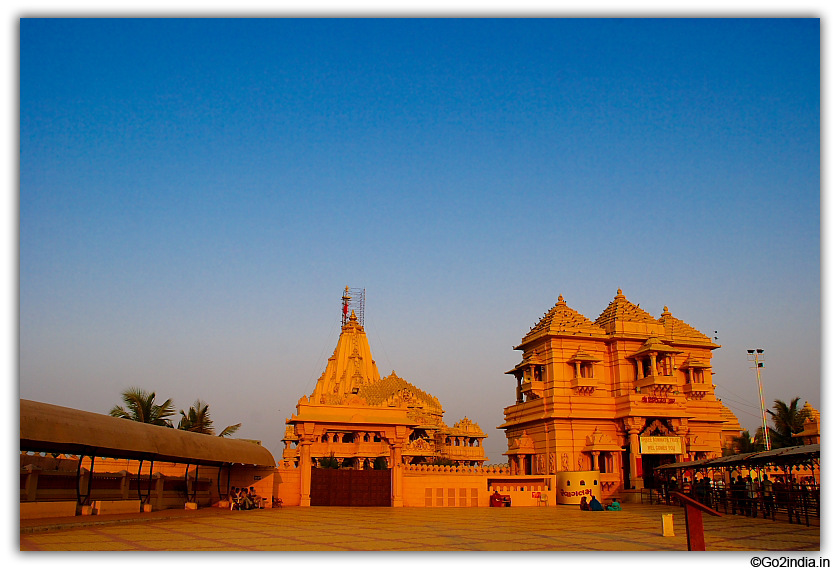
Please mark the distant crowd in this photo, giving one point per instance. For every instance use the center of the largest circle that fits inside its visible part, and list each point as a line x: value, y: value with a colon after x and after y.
x: 749, y: 496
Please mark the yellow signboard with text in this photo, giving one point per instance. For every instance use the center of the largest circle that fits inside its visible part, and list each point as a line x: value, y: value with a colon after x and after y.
x: 671, y: 445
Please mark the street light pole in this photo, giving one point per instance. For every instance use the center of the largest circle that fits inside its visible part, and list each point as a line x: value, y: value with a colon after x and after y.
x: 757, y: 358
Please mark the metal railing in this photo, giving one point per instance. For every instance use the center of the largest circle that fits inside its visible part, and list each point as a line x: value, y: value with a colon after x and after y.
x: 799, y: 503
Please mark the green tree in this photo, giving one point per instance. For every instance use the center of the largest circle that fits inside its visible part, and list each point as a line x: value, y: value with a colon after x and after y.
x: 442, y: 461
x: 197, y: 420
x: 328, y: 462
x: 787, y: 420
x: 140, y: 406
x: 744, y: 443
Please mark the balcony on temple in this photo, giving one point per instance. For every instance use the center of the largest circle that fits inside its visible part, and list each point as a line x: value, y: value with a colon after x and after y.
x: 654, y: 367
x: 530, y: 378
x: 585, y: 379
x: 696, y: 377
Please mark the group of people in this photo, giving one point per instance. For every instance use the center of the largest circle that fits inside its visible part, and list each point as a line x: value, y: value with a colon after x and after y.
x: 747, y: 495
x: 595, y: 505
x: 745, y: 491
x: 244, y: 499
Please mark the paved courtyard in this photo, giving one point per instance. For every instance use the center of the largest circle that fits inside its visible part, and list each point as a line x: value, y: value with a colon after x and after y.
x: 409, y: 529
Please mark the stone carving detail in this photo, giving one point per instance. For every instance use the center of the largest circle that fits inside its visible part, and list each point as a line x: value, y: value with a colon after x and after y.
x: 404, y: 398
x: 541, y: 464
x: 633, y: 425
x: 657, y: 427
x: 424, y: 418
x: 521, y: 443
x: 353, y: 400
x: 552, y: 466
x: 466, y: 426
x: 419, y: 445
x: 565, y: 461
x: 676, y: 426
x: 599, y: 440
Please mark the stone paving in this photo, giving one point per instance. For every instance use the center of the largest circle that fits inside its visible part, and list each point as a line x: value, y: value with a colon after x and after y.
x: 636, y: 528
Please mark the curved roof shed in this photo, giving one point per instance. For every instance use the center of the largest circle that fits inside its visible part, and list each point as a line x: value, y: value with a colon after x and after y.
x: 56, y: 429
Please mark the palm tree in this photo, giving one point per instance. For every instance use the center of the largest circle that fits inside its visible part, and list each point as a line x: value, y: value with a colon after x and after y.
x: 140, y: 406
x: 744, y: 443
x: 230, y: 430
x: 787, y: 420
x: 197, y: 420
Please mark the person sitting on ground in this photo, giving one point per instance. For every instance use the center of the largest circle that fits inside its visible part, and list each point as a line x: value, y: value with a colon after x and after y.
x: 256, y: 499
x: 233, y: 497
x: 245, y: 503
x: 595, y: 505
x: 583, y: 504
x: 614, y: 506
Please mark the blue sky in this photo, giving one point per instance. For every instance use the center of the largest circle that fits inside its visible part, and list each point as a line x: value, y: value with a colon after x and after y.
x: 195, y: 194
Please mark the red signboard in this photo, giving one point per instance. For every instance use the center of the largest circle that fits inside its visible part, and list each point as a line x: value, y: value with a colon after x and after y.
x: 655, y: 400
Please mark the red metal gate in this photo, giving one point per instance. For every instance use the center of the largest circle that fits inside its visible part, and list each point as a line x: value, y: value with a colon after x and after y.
x: 350, y: 488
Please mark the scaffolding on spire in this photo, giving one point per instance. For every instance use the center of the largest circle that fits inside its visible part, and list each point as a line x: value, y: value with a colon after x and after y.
x: 353, y: 300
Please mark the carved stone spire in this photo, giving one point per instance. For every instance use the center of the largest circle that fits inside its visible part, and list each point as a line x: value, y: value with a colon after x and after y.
x: 350, y: 367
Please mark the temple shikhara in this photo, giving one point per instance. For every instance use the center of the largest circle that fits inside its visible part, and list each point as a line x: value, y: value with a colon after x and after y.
x: 619, y: 396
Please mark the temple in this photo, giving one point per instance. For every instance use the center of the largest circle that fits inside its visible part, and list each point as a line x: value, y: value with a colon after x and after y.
x: 356, y: 419
x: 810, y: 433
x: 599, y: 405
x: 619, y: 396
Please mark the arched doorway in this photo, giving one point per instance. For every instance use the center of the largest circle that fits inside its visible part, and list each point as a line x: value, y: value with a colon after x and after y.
x: 659, y: 445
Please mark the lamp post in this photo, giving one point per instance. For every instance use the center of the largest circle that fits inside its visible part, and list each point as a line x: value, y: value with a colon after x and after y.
x: 757, y: 358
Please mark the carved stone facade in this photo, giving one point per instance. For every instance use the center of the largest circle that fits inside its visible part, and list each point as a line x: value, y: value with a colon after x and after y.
x: 358, y: 419
x: 586, y: 392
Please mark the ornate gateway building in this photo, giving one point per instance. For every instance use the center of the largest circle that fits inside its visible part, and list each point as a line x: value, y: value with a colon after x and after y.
x: 620, y: 396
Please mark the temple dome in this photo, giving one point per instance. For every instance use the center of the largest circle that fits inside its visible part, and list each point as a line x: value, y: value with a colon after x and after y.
x: 562, y: 319
x: 678, y: 330
x: 620, y: 309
